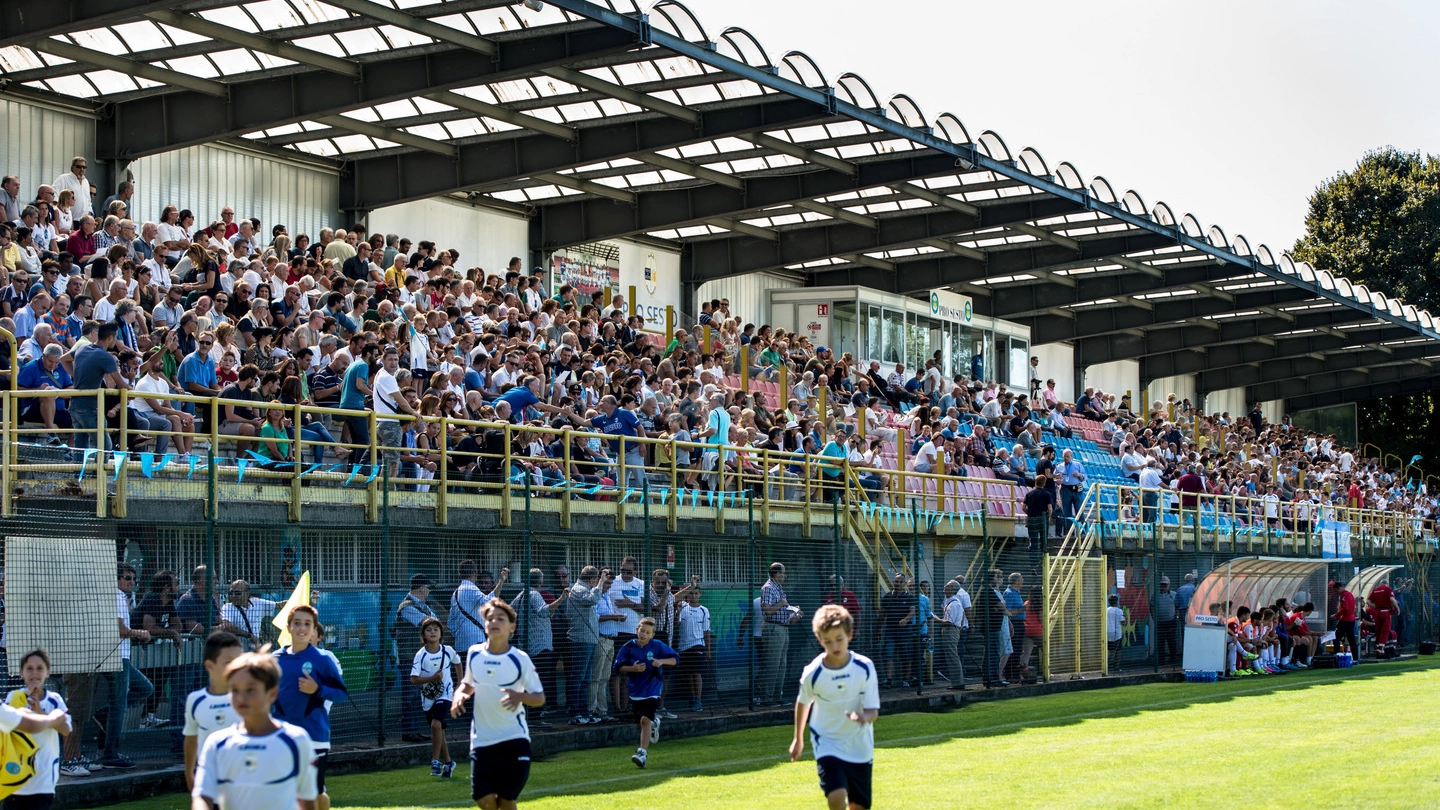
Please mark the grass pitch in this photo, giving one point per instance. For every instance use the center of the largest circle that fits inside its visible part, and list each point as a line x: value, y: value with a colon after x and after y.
x: 1312, y: 740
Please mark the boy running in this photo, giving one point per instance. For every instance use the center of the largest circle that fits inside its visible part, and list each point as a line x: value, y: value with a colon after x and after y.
x: 310, y: 681
x: 840, y: 699
x: 503, y: 681
x: 207, y: 710
x: 259, y: 761
x: 431, y: 672
x: 640, y: 661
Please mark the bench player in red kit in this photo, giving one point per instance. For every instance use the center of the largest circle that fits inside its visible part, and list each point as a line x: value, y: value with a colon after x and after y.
x: 1382, y: 599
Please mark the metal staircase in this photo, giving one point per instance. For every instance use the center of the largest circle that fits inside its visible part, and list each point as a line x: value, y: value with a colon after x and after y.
x: 871, y: 534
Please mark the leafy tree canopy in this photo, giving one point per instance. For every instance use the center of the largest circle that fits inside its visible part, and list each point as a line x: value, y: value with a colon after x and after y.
x: 1379, y: 225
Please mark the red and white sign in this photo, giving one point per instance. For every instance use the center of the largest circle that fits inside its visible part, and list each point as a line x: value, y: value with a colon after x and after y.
x: 669, y: 556
x: 821, y: 310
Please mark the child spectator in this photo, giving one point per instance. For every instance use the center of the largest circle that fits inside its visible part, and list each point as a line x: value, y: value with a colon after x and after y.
x: 431, y: 671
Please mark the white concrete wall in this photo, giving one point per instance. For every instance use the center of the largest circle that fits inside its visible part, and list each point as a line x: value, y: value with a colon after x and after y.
x: 1057, y: 362
x: 37, y: 143
x: 655, y: 274
x: 303, y: 197
x: 749, y: 295
x: 485, y: 237
x: 1114, y: 378
x: 1181, y: 386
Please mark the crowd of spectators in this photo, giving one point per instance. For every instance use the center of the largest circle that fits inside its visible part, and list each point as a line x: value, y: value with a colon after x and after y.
x: 382, y: 322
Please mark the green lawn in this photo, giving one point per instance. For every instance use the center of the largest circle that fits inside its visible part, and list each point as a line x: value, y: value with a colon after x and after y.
x: 1161, y: 745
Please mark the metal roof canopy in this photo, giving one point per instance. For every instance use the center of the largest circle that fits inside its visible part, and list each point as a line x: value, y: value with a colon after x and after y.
x: 602, y: 122
x: 1259, y: 581
x: 1364, y: 582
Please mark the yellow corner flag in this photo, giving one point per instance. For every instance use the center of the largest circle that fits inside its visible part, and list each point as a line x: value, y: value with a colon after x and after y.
x: 300, y: 596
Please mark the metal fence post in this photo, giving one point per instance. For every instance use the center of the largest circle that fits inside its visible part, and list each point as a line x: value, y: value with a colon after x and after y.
x: 920, y: 621
x: 382, y: 652
x: 750, y: 660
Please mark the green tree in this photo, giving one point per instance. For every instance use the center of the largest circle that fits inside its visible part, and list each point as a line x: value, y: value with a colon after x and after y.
x: 1379, y: 225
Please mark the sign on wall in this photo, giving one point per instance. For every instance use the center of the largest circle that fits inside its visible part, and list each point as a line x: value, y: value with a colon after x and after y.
x: 587, y: 274
x: 949, y: 306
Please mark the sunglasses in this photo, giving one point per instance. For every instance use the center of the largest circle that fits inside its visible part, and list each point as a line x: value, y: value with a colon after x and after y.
x: 127, y: 578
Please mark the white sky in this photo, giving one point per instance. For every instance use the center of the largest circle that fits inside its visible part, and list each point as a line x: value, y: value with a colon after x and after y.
x: 1233, y: 111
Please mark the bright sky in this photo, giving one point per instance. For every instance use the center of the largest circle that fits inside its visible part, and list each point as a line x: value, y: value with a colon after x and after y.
x: 1233, y: 111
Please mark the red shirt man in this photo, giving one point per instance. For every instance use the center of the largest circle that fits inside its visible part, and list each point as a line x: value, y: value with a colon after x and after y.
x: 1383, y: 596
x: 1345, y: 607
x: 1190, y: 486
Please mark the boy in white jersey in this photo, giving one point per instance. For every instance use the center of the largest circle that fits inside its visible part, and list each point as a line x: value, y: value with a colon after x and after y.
x: 431, y: 672
x: 259, y: 762
x: 840, y: 699
x: 503, y: 681
x: 208, y: 710
x: 38, y: 793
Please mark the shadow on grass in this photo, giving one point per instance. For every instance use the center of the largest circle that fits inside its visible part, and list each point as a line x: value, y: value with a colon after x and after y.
x: 593, y: 772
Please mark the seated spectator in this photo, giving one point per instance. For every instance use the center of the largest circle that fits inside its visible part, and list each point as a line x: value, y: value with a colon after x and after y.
x: 45, y: 373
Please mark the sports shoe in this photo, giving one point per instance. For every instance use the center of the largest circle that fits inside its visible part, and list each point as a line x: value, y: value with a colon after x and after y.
x: 904, y: 684
x: 696, y: 707
x: 655, y: 731
x: 639, y: 758
x: 73, y: 767
x: 447, y: 771
x: 666, y: 714
x: 1249, y: 656
x: 579, y: 720
x: 151, y: 721
x: 1301, y: 665
x: 91, y: 765
x: 435, y: 766
x: 119, y: 762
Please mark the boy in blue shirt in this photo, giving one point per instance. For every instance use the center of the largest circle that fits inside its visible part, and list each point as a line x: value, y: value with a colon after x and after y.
x: 310, y: 680
x: 640, y: 660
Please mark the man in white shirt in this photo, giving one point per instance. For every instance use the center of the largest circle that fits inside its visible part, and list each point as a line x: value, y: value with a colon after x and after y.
x: 466, y: 623
x: 389, y: 403
x: 76, y: 182
x: 927, y: 457
x: 956, y: 620
x: 127, y: 685
x: 246, y: 616
x: 694, y: 642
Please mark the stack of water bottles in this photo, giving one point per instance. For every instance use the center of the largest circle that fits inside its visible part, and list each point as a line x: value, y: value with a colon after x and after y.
x: 1201, y: 676
x: 1344, y: 660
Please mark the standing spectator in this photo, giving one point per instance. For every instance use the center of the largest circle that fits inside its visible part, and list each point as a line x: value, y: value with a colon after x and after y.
x: 195, y: 615
x: 248, y: 617
x: 583, y: 634
x: 1183, y: 595
x: 1166, y: 626
x: 94, y: 367
x: 465, y: 623
x: 1114, y: 630
x: 954, y: 621
x: 924, y: 616
x: 412, y: 611
x: 694, y: 643
x: 778, y: 614
x: 127, y: 684
x: 159, y: 619
x: 1072, y: 489
x: 1038, y: 508
x: 538, y: 641
x: 1015, y: 618
x: 74, y: 181
x: 898, y: 612
x: 610, y: 619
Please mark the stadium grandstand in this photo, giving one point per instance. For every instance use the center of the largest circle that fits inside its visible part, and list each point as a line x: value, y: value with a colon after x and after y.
x: 400, y: 295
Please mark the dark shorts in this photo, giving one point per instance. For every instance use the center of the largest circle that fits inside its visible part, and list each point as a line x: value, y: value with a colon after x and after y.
x: 439, y: 710
x: 320, y: 763
x: 39, y: 801
x: 644, y: 707
x: 500, y: 770
x: 851, y: 777
x: 692, y: 660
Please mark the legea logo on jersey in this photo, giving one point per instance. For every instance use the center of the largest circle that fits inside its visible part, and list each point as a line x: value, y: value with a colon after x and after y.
x: 251, y: 762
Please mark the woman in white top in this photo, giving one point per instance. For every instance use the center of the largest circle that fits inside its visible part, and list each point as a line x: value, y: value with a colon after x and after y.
x: 172, y: 233
x: 64, y: 212
x: 152, y: 381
